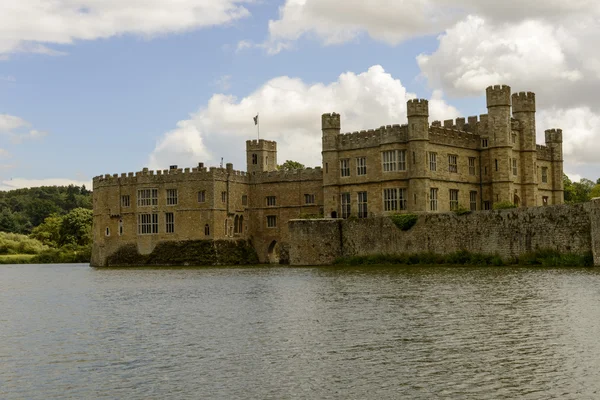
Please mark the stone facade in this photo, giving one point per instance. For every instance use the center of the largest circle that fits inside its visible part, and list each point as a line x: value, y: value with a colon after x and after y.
x: 416, y: 167
x: 507, y: 233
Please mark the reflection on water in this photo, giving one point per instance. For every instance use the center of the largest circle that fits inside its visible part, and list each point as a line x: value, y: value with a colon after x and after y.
x: 70, y: 331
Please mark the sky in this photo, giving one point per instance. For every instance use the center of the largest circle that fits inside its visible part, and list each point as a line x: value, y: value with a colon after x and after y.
x: 89, y: 87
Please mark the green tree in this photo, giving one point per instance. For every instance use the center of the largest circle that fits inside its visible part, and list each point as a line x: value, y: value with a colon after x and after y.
x: 569, y: 190
x: 582, y: 189
x: 76, y: 228
x: 290, y: 165
x: 595, y: 192
x: 48, y: 232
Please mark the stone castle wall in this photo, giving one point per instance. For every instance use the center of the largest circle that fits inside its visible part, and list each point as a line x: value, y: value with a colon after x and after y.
x: 508, y: 233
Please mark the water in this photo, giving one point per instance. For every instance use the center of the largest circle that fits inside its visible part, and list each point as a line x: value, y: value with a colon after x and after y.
x: 73, y: 332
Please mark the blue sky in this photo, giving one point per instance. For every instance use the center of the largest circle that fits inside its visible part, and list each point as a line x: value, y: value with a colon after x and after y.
x: 100, y: 87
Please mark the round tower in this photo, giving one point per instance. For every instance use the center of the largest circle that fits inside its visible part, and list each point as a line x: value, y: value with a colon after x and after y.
x: 523, y: 107
x: 330, y: 126
x: 417, y: 112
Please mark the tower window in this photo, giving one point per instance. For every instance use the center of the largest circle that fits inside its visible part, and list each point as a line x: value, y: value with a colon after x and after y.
x: 254, y: 159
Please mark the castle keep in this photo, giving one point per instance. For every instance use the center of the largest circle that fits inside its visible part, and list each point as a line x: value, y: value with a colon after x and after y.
x: 419, y: 167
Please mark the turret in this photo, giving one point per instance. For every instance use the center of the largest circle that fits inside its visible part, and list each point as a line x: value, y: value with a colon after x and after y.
x: 330, y: 125
x: 417, y: 112
x: 261, y: 155
x: 554, y: 140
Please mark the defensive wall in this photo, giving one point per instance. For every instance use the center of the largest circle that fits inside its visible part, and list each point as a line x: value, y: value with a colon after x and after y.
x: 508, y: 233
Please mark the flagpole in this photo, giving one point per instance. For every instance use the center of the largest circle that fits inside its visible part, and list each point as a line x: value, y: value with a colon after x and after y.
x: 258, y: 126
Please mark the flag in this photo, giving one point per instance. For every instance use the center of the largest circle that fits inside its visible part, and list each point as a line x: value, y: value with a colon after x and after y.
x: 255, y: 119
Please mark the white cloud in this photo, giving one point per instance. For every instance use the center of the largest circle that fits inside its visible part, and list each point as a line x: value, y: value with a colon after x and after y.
x: 291, y: 115
x: 17, y: 129
x: 31, y: 25
x: 581, y: 133
x: 20, y: 183
x: 4, y: 153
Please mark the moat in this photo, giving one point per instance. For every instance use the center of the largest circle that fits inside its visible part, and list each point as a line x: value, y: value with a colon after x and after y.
x: 70, y: 331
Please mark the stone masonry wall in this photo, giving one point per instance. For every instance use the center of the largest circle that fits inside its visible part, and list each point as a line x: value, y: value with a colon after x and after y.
x: 509, y: 233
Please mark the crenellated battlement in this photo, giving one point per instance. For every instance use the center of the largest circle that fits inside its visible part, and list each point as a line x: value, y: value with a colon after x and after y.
x: 417, y: 108
x: 498, y: 95
x: 147, y: 176
x: 523, y: 102
x: 471, y: 124
x: 447, y: 135
x: 373, y: 137
x: 553, y: 136
x: 544, y: 153
x: 294, y: 175
x: 330, y: 121
x: 261, y: 144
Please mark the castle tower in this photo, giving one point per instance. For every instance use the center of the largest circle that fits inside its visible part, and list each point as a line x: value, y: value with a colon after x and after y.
x: 523, y: 105
x: 330, y: 125
x: 261, y: 156
x: 417, y: 112
x: 499, y: 131
x: 554, y: 141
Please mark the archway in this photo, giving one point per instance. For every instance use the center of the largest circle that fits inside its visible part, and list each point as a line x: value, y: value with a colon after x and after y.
x: 273, y: 253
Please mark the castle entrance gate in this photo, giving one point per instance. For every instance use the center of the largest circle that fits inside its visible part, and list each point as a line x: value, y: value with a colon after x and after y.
x: 273, y: 253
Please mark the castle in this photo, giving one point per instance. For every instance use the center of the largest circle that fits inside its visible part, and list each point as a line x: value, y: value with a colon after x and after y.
x: 413, y: 168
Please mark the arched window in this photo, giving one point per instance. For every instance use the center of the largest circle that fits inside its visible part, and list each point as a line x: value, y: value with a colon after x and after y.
x: 236, y: 224
x: 206, y: 230
x: 254, y: 159
x: 120, y: 227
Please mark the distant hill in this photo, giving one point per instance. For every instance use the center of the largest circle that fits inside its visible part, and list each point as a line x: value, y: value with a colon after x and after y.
x: 21, y: 210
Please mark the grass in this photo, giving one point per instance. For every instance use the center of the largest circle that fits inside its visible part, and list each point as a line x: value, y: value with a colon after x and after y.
x: 16, y: 258
x: 545, y: 258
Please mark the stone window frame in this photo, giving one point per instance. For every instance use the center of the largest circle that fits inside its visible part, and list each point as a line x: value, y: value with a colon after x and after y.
x: 309, y: 198
x: 125, y: 200
x: 545, y: 200
x: 363, y: 204
x: 224, y: 196
x: 120, y: 227
x: 169, y: 222
x: 147, y: 223
x: 346, y: 204
x: 107, y: 231
x: 271, y: 221
x: 345, y: 167
x: 254, y: 159
x: 472, y: 165
x: 361, y: 166
x: 390, y: 199
x: 453, y: 163
x: 147, y: 197
x: 202, y: 196
x: 388, y: 161
x: 484, y: 143
x: 473, y: 200
x: 433, y: 199
x: 271, y: 201
x: 453, y: 196
x: 206, y: 230
x: 172, y: 197
x: 432, y: 161
x: 515, y: 170
x: 544, y: 174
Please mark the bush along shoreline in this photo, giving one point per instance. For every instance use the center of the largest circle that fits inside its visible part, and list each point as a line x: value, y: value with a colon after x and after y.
x: 542, y: 258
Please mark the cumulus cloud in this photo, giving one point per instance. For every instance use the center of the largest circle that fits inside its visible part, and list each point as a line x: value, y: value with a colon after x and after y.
x: 20, y: 183
x: 32, y: 25
x: 292, y: 111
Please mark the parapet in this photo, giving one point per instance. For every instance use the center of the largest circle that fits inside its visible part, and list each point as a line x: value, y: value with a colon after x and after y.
x: 523, y: 102
x: 373, y: 137
x: 417, y: 108
x: 449, y: 135
x: 498, y: 95
x: 554, y: 136
x: 261, y: 144
x: 330, y: 121
x: 294, y: 175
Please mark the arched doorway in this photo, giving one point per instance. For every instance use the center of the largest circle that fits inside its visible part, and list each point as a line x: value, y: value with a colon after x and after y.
x: 273, y: 253
x: 517, y: 200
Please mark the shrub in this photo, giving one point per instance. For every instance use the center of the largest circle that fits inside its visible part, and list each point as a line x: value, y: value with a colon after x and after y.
x: 462, y: 210
x: 14, y: 243
x: 503, y: 205
x: 404, y: 221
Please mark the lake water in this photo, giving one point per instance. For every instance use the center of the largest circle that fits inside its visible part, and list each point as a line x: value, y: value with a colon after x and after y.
x: 74, y: 332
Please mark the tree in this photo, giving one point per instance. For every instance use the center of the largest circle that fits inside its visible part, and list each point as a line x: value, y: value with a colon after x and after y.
x: 48, y: 232
x: 76, y: 227
x: 568, y: 188
x: 595, y: 192
x: 289, y: 165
